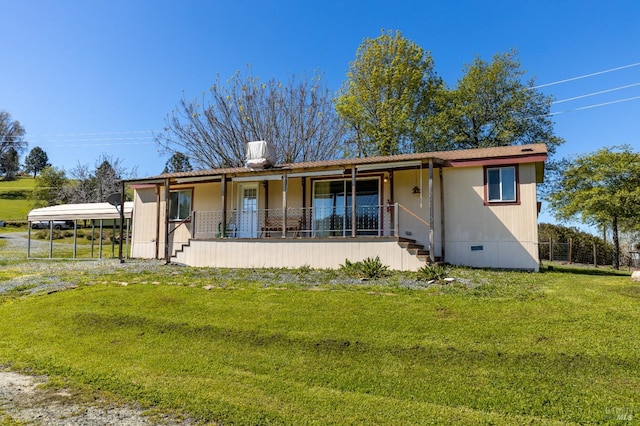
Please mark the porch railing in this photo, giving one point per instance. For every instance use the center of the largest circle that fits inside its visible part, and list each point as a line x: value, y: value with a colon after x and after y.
x: 309, y: 222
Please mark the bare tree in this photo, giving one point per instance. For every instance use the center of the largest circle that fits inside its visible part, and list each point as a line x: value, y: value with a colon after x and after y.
x: 81, y: 187
x: 11, y: 134
x: 94, y: 186
x: 298, y: 118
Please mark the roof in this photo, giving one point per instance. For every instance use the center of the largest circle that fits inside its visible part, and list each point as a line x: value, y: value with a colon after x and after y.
x: 80, y: 212
x: 466, y: 157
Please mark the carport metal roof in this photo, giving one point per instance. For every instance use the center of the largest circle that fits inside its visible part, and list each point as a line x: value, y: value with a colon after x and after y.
x: 80, y: 212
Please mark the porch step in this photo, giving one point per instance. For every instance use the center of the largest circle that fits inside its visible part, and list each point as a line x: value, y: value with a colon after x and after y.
x: 180, y: 250
x: 416, y: 249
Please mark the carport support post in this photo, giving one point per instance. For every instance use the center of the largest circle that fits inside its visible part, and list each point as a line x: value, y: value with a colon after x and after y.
x: 50, y: 239
x: 100, y: 240
x: 93, y: 235
x: 28, y: 240
x: 75, y: 238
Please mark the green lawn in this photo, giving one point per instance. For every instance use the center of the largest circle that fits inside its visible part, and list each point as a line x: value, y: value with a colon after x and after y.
x: 310, y: 347
x: 14, y: 198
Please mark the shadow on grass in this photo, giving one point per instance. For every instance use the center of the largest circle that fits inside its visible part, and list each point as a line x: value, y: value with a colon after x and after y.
x: 583, y: 270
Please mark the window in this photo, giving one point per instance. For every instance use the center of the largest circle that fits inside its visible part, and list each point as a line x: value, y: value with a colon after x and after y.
x: 179, y: 204
x: 501, y: 185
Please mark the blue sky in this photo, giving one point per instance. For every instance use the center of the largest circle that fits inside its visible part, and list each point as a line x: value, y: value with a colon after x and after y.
x: 87, y: 78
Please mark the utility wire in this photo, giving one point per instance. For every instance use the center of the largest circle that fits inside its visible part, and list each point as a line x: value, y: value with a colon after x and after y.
x: 596, y: 93
x: 595, y: 106
x: 585, y: 76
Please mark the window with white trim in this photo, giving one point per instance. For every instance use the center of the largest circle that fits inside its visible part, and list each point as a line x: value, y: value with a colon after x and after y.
x: 180, y: 204
x: 501, y: 184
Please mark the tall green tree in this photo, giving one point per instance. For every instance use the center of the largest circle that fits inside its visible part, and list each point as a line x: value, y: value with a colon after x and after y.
x: 600, y: 188
x: 35, y: 161
x: 391, y: 86
x: 11, y: 134
x: 492, y: 106
x: 49, y: 188
x: 297, y: 117
x: 9, y: 163
x: 177, y: 163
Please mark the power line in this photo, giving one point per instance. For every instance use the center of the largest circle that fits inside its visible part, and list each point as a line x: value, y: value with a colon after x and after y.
x: 96, y: 133
x: 585, y: 76
x: 76, y: 145
x: 596, y: 93
x: 595, y: 105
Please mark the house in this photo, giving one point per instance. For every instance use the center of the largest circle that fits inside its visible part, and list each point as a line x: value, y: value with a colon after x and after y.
x: 475, y: 207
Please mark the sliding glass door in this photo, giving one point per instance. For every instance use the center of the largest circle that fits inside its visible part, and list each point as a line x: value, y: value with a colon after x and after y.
x: 332, y: 207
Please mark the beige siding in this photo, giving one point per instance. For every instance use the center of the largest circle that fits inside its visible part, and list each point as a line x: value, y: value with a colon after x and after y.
x: 507, y: 234
x: 145, y: 224
x: 295, y: 253
x: 410, y: 227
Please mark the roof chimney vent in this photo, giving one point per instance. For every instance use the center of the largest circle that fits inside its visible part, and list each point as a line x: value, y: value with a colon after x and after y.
x: 260, y: 155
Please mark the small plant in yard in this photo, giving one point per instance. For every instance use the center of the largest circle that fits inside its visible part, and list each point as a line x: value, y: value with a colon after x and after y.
x: 433, y: 272
x: 368, y: 268
x: 304, y: 270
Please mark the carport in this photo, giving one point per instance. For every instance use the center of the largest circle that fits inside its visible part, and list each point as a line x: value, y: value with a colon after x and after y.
x: 97, y: 213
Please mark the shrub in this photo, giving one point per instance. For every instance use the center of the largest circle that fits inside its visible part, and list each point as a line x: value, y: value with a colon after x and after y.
x: 44, y: 235
x: 367, y: 268
x: 433, y: 272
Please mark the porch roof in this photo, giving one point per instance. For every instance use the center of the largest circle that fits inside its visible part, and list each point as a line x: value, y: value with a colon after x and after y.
x: 531, y: 153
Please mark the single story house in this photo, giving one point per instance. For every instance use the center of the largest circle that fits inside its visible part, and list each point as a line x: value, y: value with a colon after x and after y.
x: 475, y: 207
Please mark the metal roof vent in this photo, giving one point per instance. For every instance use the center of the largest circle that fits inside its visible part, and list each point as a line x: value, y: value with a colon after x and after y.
x: 260, y: 155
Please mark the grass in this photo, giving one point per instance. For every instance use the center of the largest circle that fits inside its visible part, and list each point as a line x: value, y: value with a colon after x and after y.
x: 311, y: 347
x: 14, y: 198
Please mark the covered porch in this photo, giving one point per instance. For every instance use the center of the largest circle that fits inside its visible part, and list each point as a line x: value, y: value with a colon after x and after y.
x: 317, y: 206
x: 316, y: 214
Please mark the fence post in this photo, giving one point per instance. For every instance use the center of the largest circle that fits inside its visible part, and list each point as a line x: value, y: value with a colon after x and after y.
x: 551, y: 250
x: 595, y: 255
x: 570, y: 249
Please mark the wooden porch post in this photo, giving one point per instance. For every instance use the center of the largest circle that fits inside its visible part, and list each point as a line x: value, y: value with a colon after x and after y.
x: 431, y: 214
x: 223, y: 191
x: 353, y: 201
x: 285, y: 181
x: 441, y: 214
x: 304, y: 204
x: 167, y: 212
x: 157, y: 247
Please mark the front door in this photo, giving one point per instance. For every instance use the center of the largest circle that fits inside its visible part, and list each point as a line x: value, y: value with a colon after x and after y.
x: 248, y: 211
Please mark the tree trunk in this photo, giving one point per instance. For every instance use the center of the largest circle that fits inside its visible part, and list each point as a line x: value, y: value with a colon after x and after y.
x: 616, y: 243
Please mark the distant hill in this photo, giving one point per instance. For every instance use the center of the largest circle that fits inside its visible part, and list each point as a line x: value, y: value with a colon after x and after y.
x: 14, y: 198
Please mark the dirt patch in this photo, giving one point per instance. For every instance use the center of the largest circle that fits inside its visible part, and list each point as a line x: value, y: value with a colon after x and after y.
x: 24, y: 400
